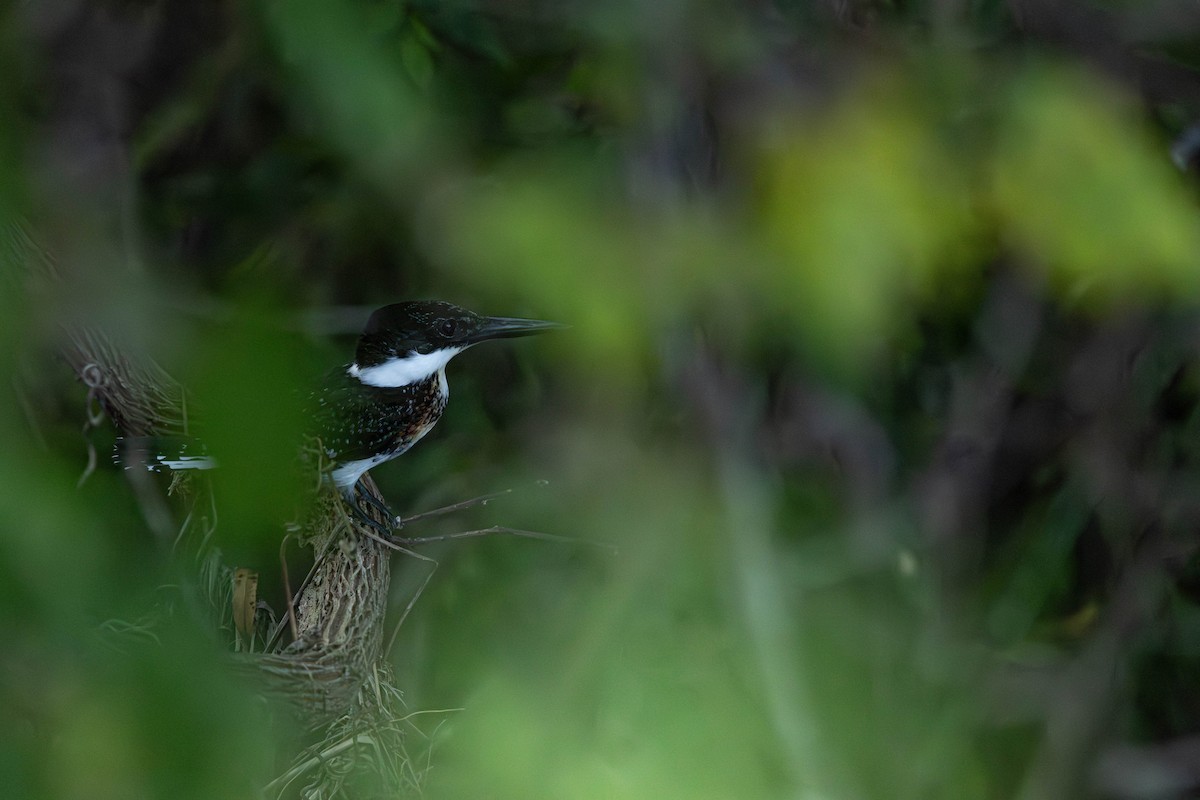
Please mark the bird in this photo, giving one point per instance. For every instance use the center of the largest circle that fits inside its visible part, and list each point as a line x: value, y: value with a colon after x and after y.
x: 373, y: 409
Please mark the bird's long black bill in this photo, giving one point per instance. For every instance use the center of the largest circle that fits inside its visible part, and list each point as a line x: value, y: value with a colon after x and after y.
x: 508, y: 327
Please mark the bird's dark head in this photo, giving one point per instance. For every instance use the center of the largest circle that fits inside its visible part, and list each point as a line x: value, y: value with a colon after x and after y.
x: 407, y: 342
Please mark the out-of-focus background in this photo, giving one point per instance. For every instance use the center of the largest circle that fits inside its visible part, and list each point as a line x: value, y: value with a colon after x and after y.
x: 875, y: 432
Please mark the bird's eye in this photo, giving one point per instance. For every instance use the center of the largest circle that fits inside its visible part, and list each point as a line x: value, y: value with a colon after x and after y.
x: 448, y: 328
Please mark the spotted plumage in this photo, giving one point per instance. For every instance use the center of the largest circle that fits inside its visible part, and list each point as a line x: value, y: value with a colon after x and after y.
x: 360, y: 426
x: 376, y: 407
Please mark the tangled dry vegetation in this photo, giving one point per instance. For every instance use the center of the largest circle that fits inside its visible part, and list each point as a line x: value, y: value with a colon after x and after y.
x: 321, y: 665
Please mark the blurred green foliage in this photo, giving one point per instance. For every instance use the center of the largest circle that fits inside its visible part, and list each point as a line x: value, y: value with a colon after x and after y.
x: 876, y: 424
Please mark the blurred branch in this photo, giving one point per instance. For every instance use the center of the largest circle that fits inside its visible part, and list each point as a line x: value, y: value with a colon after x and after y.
x: 953, y: 491
x: 1086, y: 691
x: 1144, y: 772
x: 725, y: 406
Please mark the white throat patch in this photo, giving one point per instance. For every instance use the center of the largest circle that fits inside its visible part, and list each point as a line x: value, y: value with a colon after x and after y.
x: 406, y: 370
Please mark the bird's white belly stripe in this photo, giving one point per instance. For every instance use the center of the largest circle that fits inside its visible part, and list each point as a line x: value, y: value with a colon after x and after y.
x: 345, y: 476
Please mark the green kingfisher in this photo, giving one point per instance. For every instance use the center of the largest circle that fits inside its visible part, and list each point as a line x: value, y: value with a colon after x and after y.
x: 379, y: 405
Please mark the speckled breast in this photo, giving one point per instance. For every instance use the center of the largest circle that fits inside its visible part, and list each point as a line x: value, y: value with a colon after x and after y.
x: 428, y: 410
x: 411, y: 412
x: 368, y: 424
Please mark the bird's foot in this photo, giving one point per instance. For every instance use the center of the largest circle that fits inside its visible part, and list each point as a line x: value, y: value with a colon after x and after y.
x: 361, y: 497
